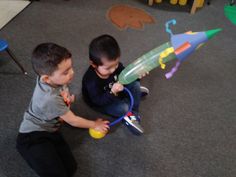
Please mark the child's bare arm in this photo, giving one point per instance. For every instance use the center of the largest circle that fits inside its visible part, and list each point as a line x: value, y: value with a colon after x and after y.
x: 80, y: 122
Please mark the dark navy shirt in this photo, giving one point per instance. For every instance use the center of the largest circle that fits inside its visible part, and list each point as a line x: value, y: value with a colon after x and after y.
x: 97, y: 91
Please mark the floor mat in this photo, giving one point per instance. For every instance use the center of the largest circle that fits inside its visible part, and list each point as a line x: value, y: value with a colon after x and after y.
x: 124, y: 16
x: 9, y: 9
x: 230, y: 13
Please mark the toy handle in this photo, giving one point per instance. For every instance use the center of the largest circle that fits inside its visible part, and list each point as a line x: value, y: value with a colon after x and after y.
x: 130, y: 108
x: 168, y: 30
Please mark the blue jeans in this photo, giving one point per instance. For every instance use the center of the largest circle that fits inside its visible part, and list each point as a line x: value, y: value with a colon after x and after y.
x: 120, y: 106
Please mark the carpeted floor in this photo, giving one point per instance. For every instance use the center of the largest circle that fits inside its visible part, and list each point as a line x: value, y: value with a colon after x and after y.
x: 189, y: 120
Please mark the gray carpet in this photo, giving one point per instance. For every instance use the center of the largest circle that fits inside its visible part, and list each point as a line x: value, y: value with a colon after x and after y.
x: 189, y: 120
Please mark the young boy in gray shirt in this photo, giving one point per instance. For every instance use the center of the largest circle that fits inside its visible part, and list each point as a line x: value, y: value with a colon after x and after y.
x: 39, y: 141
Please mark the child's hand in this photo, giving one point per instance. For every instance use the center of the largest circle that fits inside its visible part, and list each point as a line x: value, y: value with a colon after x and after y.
x: 143, y: 75
x: 72, y: 98
x: 68, y: 99
x: 117, y: 87
x: 101, y: 125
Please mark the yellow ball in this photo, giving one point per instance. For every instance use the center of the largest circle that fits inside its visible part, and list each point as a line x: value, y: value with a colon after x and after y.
x: 96, y: 134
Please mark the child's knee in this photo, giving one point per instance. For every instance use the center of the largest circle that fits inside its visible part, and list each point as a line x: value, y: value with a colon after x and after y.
x: 137, y: 85
x: 117, y: 109
x: 124, y: 109
x: 134, y: 85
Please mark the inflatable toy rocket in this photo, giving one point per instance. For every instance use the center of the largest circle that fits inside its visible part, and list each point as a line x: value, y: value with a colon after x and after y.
x: 179, y: 47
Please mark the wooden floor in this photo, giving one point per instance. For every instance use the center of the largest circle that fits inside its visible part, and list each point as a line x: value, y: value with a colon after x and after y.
x: 193, y: 8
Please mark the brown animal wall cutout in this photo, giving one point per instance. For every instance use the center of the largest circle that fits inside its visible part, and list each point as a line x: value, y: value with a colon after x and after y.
x: 124, y: 16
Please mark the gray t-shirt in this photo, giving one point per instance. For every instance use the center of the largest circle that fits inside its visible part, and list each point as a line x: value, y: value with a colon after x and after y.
x: 46, y: 106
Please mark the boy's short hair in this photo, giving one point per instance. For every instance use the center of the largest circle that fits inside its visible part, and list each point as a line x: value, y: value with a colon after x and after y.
x: 47, y: 56
x: 103, y: 46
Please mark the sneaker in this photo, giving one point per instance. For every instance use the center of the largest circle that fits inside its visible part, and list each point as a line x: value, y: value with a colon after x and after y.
x: 144, y: 91
x: 132, y: 122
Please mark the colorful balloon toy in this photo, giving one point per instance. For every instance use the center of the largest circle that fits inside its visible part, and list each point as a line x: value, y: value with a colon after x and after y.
x: 179, y: 47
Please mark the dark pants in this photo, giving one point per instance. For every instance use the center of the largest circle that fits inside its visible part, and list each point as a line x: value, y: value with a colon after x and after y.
x: 46, y: 153
x: 121, y: 105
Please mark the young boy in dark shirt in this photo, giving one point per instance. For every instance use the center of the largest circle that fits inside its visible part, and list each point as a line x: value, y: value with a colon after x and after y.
x: 100, y: 86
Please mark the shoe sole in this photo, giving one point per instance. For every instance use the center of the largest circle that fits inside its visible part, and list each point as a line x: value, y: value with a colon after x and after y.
x: 144, y: 91
x: 129, y: 122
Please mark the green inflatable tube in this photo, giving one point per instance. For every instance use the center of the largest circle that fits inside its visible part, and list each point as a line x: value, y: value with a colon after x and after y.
x: 145, y: 63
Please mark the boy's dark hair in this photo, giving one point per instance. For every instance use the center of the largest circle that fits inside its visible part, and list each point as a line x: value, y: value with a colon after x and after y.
x: 47, y: 56
x: 103, y: 46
